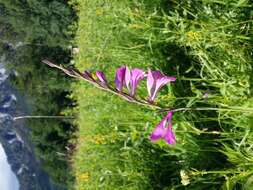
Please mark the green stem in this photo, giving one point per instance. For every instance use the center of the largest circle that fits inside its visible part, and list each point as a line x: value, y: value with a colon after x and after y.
x: 233, y: 109
x: 42, y: 117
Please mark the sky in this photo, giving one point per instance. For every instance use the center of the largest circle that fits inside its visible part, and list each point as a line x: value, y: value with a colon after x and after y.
x: 8, y: 180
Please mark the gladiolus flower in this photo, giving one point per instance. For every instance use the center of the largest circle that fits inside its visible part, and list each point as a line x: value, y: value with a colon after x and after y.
x: 156, y: 80
x: 164, y: 130
x: 130, y: 79
x: 122, y: 77
x: 136, y: 76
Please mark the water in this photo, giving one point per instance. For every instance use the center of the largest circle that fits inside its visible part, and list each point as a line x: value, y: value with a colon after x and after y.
x: 8, y: 178
x: 19, y: 168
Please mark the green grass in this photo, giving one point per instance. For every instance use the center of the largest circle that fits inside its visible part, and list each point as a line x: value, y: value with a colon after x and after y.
x: 207, y: 45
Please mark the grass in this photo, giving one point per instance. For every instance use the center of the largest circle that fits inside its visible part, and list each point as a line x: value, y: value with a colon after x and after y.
x: 207, y: 45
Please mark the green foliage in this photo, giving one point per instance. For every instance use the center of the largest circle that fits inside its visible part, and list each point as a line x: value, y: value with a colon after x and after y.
x: 31, y: 31
x: 47, y: 95
x: 40, y: 22
x: 208, y: 46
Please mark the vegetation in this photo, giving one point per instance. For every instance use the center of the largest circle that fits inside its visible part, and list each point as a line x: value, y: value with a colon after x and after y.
x: 48, y: 22
x: 47, y: 95
x: 31, y: 31
x: 207, y: 45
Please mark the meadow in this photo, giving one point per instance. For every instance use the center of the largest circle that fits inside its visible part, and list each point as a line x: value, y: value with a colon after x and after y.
x: 207, y: 46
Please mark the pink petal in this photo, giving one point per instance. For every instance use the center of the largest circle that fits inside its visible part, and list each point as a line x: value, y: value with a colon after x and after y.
x: 157, y: 74
x: 150, y: 83
x: 156, y: 80
x: 153, y: 76
x: 101, y: 76
x: 136, y: 76
x: 127, y: 77
x: 160, y: 82
x: 88, y: 75
x: 119, y: 79
x: 169, y: 116
x: 169, y: 136
x: 159, y: 131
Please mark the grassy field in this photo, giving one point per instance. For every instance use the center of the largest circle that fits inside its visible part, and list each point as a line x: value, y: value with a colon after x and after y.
x: 207, y: 45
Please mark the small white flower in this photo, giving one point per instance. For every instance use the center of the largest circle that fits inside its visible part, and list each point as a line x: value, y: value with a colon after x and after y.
x: 75, y: 50
x: 184, y: 178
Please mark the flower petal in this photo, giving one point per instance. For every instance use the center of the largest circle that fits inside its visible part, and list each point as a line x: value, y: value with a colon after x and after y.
x: 120, y: 77
x: 157, y: 74
x: 127, y: 77
x: 159, y: 131
x: 160, y: 80
x: 150, y: 83
x: 88, y: 75
x: 136, y: 76
x: 169, y: 136
x: 101, y: 77
x: 169, y: 116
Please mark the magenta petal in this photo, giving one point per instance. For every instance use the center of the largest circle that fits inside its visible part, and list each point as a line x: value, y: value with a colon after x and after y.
x: 101, y: 76
x: 120, y: 76
x: 88, y: 75
x: 163, y: 132
x: 169, y: 136
x: 169, y: 116
x: 159, y: 131
x: 157, y: 74
x: 156, y: 80
x: 127, y: 77
x: 160, y: 82
x: 150, y: 83
x: 136, y: 76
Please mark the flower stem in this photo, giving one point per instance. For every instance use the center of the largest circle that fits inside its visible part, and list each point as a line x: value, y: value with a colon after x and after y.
x: 42, y: 117
x: 233, y: 109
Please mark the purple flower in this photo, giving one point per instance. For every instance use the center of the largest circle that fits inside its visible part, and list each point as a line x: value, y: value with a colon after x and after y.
x: 205, y: 95
x: 88, y: 75
x: 156, y: 80
x: 130, y: 79
x: 136, y: 76
x: 102, y: 79
x: 163, y: 132
x: 122, y: 77
x: 98, y: 78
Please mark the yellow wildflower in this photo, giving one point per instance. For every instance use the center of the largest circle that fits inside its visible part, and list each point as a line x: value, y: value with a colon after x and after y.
x: 83, y: 177
x: 135, y: 26
x: 99, y: 12
x: 193, y: 35
x: 99, y: 139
